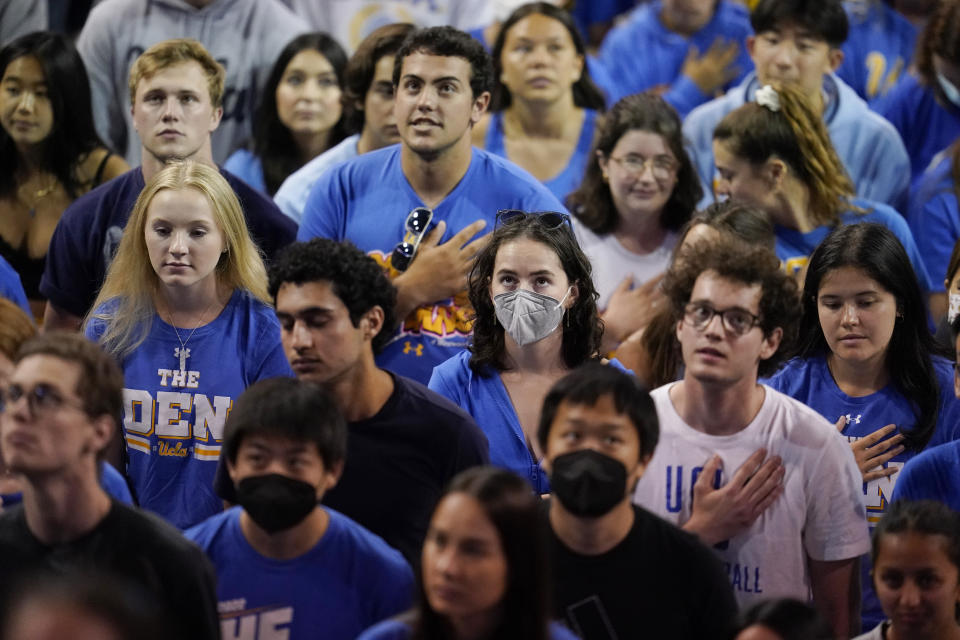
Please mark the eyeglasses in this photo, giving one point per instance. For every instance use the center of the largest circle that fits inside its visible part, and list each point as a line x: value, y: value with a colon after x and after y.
x: 737, y: 321
x: 414, y: 229
x: 662, y: 167
x: 43, y: 398
x: 547, y: 219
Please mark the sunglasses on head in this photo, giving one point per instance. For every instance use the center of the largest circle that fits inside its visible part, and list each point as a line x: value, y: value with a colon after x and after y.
x: 547, y: 219
x: 414, y: 229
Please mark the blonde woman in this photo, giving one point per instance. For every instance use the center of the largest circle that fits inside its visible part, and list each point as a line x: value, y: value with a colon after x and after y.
x: 775, y: 154
x: 185, y: 310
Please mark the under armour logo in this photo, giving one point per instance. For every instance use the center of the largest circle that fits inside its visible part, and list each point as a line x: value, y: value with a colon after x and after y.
x: 854, y: 420
x: 407, y: 348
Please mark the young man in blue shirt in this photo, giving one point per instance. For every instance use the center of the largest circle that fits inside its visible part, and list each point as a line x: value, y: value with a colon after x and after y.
x: 442, y: 79
x: 799, y: 42
x: 285, y: 563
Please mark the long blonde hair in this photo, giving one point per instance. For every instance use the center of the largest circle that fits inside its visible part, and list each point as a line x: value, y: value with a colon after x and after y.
x: 796, y: 134
x: 132, y: 286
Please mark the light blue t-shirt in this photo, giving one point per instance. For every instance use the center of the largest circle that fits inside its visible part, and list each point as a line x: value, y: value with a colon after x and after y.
x: 246, y: 166
x: 173, y: 422
x: 794, y: 247
x: 935, y: 221
x: 366, y: 200
x: 399, y: 630
x: 565, y: 182
x: 878, y: 48
x: 641, y: 53
x: 349, y: 581
x: 810, y: 382
x: 925, y: 126
x: 292, y: 195
x: 869, y: 147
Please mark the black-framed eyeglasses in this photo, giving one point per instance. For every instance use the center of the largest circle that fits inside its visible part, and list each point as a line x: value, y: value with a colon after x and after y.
x: 737, y: 321
x: 547, y: 219
x: 414, y: 228
x: 41, y: 398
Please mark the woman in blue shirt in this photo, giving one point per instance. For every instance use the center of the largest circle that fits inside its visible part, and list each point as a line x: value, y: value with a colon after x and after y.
x: 866, y: 361
x: 544, y: 106
x: 185, y: 310
x: 300, y: 114
x: 485, y: 567
x: 536, y: 319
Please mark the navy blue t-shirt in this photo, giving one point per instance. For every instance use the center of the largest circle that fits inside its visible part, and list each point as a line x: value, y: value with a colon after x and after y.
x: 88, y: 234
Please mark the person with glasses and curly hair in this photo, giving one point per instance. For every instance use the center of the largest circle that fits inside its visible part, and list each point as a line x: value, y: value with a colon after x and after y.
x: 754, y: 473
x: 535, y: 320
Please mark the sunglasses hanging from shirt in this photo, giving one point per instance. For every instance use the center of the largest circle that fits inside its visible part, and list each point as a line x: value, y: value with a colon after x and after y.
x: 415, y: 227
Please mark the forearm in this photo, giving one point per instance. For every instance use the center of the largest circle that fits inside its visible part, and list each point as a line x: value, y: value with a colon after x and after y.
x: 55, y: 319
x: 836, y: 593
x: 408, y: 296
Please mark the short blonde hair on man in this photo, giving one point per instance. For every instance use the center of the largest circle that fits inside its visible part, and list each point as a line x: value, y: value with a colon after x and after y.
x: 173, y: 52
x: 132, y: 287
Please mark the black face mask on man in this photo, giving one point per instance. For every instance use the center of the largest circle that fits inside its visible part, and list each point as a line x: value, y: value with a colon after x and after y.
x: 276, y: 502
x: 588, y: 483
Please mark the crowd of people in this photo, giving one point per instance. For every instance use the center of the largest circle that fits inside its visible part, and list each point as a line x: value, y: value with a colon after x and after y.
x: 389, y: 319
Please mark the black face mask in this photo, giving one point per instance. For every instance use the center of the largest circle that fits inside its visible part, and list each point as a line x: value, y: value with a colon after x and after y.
x: 276, y: 502
x: 587, y: 483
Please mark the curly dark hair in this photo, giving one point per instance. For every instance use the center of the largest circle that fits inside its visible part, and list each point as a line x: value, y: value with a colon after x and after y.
x: 585, y: 93
x: 449, y: 42
x: 72, y: 136
x: 592, y: 202
x: 873, y: 249
x: 735, y: 260
x: 357, y: 279
x: 582, y: 327
x: 272, y: 141
x: 383, y: 41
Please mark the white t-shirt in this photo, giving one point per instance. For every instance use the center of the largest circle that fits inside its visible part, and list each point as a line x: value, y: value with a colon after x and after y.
x: 820, y: 514
x: 612, y: 262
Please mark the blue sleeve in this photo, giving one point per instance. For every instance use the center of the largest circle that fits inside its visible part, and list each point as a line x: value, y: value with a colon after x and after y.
x: 684, y: 95
x: 11, y: 287
x: 440, y: 382
x: 322, y: 215
x: 397, y: 588
x: 900, y: 228
x: 910, y: 480
x: 271, y: 360
x: 114, y: 483
x: 936, y: 227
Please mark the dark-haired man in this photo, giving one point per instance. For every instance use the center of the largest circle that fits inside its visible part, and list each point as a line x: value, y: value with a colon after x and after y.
x: 286, y: 566
x: 798, y: 42
x: 58, y: 412
x: 442, y: 79
x: 792, y: 524
x: 368, y: 106
x: 619, y: 572
x: 405, y: 442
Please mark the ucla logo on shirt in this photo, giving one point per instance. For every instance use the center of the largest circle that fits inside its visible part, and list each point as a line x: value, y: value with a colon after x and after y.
x: 271, y: 622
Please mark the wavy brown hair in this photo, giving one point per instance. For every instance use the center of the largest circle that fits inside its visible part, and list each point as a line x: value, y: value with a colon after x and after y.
x: 592, y: 202
x: 796, y: 135
x: 941, y: 36
x: 751, y: 265
x: 582, y: 327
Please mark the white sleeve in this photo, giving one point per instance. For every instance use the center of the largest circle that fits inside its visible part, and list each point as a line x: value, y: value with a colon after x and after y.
x: 836, y: 522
